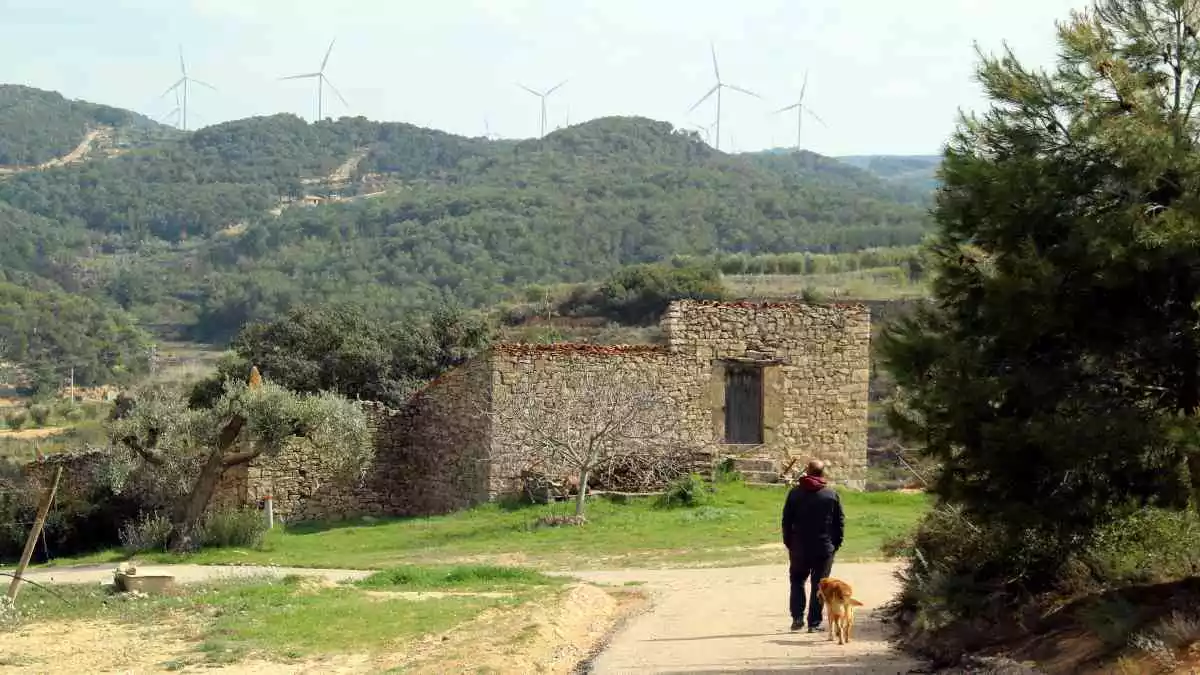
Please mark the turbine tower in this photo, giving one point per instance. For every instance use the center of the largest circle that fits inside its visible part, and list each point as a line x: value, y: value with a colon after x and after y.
x: 181, y: 86
x: 801, y: 111
x: 705, y: 131
x: 173, y: 113
x: 543, y: 95
x: 322, y: 81
x: 717, y: 90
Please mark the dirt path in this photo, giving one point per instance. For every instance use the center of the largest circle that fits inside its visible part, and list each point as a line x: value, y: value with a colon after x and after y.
x: 714, y: 620
x: 81, y: 151
x: 735, y: 620
x: 184, y: 574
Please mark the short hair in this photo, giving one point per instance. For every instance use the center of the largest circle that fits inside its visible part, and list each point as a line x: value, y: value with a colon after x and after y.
x: 815, y: 468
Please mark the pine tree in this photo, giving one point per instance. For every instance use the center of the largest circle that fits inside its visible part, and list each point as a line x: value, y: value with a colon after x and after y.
x: 1056, y: 373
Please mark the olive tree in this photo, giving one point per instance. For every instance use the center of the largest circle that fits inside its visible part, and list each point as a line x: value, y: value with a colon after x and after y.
x: 248, y: 420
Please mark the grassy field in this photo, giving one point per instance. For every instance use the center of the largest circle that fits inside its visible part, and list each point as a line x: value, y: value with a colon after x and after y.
x: 294, y: 618
x: 739, y: 526
x: 884, y: 283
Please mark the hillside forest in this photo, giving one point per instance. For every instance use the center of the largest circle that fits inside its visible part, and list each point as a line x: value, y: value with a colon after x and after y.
x: 194, y: 235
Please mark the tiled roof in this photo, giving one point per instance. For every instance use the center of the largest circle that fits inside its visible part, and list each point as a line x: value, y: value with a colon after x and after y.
x: 771, y: 304
x: 524, y: 349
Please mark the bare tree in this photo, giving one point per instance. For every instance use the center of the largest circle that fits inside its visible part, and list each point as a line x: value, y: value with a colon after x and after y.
x: 584, y: 418
x: 247, y: 421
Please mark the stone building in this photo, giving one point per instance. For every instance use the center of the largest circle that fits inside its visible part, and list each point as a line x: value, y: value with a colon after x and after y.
x: 764, y: 380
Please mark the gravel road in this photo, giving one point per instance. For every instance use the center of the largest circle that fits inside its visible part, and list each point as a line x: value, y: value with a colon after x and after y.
x: 735, y: 620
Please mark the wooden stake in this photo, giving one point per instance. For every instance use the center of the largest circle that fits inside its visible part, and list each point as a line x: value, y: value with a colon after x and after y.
x: 31, y: 541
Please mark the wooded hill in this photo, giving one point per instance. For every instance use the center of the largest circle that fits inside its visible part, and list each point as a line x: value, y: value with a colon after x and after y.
x: 37, y: 126
x: 196, y: 233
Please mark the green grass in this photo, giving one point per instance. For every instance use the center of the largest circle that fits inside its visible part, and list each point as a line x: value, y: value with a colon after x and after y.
x: 740, y: 526
x: 458, y: 578
x: 287, y: 619
x: 884, y: 283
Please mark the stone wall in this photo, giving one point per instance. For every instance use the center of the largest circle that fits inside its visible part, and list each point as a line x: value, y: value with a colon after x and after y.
x: 815, y: 362
x: 429, y: 459
x: 87, y: 477
x: 559, y: 374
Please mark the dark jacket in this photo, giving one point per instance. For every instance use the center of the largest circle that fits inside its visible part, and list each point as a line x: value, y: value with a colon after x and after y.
x: 813, y: 522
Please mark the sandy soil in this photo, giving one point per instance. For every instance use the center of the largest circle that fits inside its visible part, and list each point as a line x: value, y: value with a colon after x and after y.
x: 735, y: 620
x: 184, y: 574
x: 722, y: 620
x: 550, y: 636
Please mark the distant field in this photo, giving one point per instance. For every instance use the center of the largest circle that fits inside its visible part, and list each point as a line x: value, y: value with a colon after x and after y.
x: 185, y: 361
x: 883, y: 283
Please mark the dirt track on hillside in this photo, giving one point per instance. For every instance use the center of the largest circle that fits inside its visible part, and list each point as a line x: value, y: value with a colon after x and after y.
x: 735, y: 620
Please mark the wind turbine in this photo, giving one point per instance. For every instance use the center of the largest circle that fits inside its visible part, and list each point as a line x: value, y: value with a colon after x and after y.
x: 181, y: 85
x: 543, y: 95
x: 321, y: 81
x: 705, y: 131
x: 487, y: 131
x: 717, y: 90
x: 801, y: 110
x: 174, y: 112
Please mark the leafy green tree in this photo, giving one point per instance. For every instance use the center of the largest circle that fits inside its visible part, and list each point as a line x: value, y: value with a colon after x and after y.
x: 196, y: 445
x: 1057, y: 374
x: 639, y: 294
x: 345, y: 350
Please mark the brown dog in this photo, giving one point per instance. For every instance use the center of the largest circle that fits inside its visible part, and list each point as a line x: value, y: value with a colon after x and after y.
x: 836, y: 595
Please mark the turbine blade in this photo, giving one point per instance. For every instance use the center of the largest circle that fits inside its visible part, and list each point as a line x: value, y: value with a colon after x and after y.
x: 335, y: 91
x: 555, y: 87
x: 790, y: 107
x: 744, y: 91
x: 804, y: 87
x: 716, y: 70
x: 327, y: 53
x: 704, y: 98
x: 300, y: 77
x: 535, y: 93
x: 203, y: 83
x: 172, y: 87
x: 815, y: 117
x: 182, y: 66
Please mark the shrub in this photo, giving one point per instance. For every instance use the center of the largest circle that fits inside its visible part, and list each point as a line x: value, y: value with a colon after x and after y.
x: 638, y: 294
x: 965, y: 586
x: 725, y: 473
x: 687, y: 491
x: 40, y: 414
x: 243, y: 528
x: 150, y: 532
x: 1146, y: 546
x: 16, y: 420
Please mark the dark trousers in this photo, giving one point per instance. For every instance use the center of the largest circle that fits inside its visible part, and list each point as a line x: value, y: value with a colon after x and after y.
x: 807, y: 569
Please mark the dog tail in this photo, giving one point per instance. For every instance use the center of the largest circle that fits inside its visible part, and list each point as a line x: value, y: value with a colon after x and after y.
x: 855, y: 602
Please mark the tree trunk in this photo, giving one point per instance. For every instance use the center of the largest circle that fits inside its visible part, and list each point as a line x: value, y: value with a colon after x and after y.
x: 1193, y: 465
x: 190, y: 511
x: 581, y: 497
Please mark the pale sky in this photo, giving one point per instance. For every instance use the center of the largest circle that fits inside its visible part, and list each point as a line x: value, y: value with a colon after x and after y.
x: 887, y: 76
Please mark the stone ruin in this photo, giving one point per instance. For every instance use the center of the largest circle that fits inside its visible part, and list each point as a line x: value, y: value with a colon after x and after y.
x: 767, y: 383
x: 763, y: 381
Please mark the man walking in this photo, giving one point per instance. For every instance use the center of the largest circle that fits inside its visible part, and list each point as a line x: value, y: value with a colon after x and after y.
x: 813, y: 526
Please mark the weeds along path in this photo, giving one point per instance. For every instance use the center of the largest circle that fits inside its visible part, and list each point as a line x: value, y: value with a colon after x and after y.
x: 735, y: 620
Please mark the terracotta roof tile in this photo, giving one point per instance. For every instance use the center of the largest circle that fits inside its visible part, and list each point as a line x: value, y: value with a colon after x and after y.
x: 770, y: 304
x: 526, y: 349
